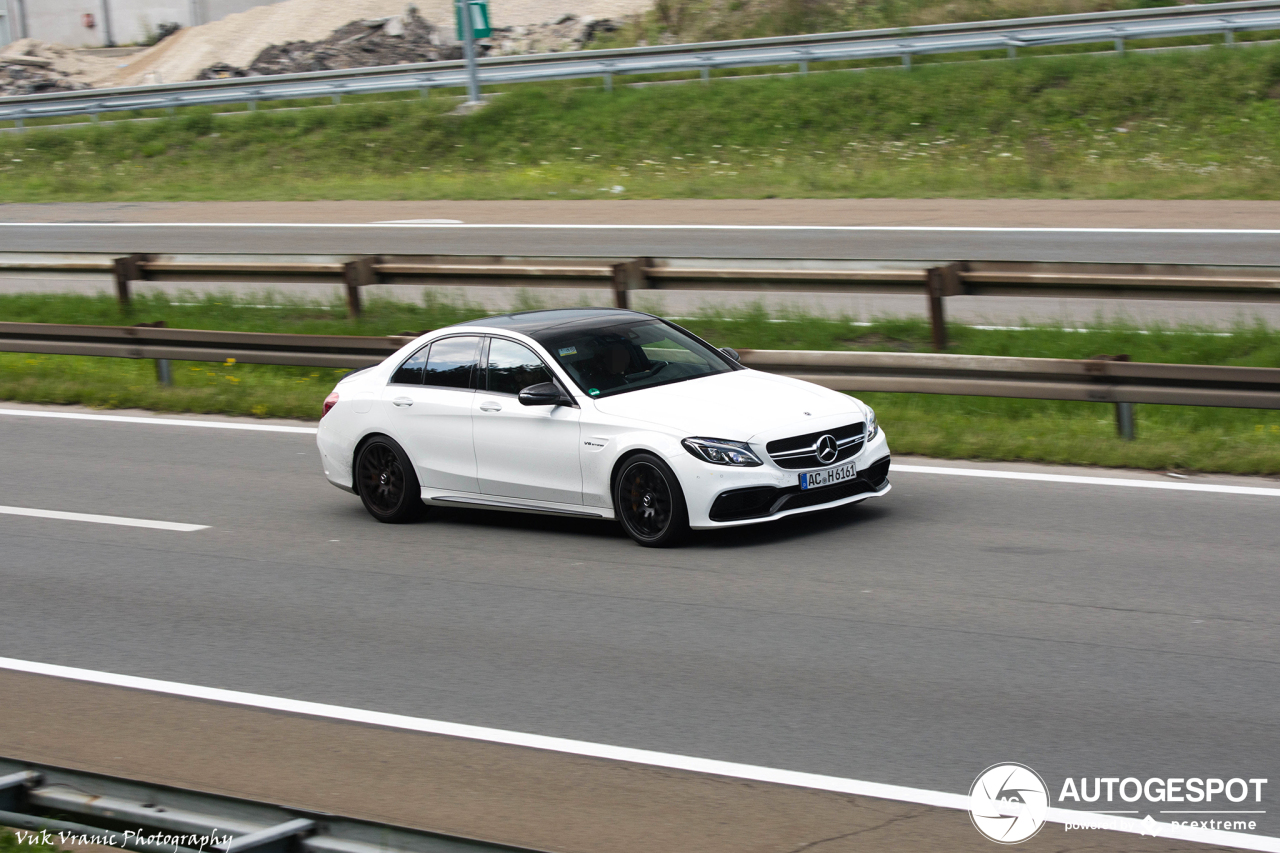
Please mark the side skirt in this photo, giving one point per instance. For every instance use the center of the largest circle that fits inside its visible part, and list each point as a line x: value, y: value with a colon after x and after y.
x: 433, y: 497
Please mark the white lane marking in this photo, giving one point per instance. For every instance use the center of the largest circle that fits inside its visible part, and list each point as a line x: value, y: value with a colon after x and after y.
x: 1088, y: 481
x: 124, y: 419
x: 651, y: 758
x: 120, y: 521
x: 977, y: 229
x: 418, y: 222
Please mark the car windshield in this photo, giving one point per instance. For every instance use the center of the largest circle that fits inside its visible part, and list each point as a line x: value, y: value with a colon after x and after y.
x: 612, y: 359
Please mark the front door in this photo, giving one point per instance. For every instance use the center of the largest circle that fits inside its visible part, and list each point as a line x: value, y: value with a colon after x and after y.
x: 526, y: 452
x: 428, y: 410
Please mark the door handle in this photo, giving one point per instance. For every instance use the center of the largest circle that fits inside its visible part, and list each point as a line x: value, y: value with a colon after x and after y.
x: 490, y: 406
x: 402, y: 402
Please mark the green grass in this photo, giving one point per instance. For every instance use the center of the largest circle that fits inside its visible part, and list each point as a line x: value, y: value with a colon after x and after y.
x: 1203, y: 124
x: 1169, y: 437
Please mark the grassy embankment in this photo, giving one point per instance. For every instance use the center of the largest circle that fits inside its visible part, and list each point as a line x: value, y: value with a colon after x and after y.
x: 1200, y: 124
x: 1226, y: 440
x: 714, y: 20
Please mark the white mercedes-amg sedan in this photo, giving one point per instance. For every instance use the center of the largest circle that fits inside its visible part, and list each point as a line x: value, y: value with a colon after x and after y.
x: 595, y: 412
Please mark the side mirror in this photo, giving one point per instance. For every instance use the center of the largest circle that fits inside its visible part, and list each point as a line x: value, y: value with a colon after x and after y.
x: 731, y: 352
x: 543, y: 394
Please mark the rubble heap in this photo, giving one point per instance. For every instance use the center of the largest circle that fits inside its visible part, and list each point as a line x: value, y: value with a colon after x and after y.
x: 395, y: 40
x: 569, y: 32
x: 30, y: 66
x: 408, y: 38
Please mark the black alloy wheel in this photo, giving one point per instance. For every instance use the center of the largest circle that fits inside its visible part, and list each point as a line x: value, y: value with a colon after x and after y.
x: 387, y: 483
x: 649, y: 502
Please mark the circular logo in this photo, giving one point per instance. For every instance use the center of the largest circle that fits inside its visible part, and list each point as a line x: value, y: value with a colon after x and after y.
x: 1008, y: 803
x: 827, y: 449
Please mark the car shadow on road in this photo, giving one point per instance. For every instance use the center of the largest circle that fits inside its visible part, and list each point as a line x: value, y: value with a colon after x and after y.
x: 793, y: 528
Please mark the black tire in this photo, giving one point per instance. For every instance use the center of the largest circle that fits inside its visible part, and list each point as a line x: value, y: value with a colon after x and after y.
x: 387, y: 483
x: 649, y: 502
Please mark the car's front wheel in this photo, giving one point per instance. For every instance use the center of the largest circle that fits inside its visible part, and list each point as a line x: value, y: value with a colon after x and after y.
x: 387, y: 483
x: 649, y: 502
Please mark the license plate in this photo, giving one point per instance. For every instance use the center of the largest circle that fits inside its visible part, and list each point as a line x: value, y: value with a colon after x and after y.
x: 818, y: 479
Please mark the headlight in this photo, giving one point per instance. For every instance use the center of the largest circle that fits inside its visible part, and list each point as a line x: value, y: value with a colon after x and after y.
x: 719, y: 451
x: 873, y: 428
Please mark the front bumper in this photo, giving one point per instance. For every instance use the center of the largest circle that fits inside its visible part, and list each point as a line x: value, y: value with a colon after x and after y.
x: 756, y: 503
x: 728, y: 497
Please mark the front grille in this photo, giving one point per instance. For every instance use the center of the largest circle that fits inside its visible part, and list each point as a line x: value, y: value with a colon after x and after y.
x: 764, y: 501
x: 801, y: 451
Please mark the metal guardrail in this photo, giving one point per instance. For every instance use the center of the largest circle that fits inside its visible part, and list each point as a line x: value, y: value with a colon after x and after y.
x: 168, y: 819
x: 1108, y: 27
x: 1088, y: 380
x: 932, y: 279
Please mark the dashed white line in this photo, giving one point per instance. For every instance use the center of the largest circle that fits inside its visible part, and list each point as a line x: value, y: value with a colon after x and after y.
x: 899, y: 793
x: 125, y: 419
x: 1087, y: 481
x: 119, y: 521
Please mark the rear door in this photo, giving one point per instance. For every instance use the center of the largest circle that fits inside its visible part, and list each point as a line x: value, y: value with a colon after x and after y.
x: 427, y: 406
x: 529, y: 452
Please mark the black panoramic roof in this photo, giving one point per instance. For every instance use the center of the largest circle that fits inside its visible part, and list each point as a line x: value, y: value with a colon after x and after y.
x: 533, y: 322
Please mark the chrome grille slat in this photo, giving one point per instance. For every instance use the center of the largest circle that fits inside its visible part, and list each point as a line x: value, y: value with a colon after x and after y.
x: 800, y: 452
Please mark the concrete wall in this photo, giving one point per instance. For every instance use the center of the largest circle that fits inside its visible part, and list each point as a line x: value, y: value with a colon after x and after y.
x: 131, y: 21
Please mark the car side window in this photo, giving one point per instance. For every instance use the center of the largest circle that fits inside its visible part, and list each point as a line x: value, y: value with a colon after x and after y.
x: 410, y: 372
x: 513, y: 366
x: 450, y: 363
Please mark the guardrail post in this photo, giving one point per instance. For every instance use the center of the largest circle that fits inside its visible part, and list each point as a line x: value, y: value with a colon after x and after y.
x: 706, y: 74
x: 17, y: 122
x: 128, y: 269
x: 628, y: 276
x: 608, y: 82
x: 1229, y: 37
x: 941, y: 282
x: 1013, y: 52
x: 906, y: 61
x: 1119, y: 45
x: 164, y: 372
x: 804, y: 67
x: 355, y: 275
x: 1124, y: 421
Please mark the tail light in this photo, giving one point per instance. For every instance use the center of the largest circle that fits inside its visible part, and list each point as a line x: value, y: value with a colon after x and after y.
x: 329, y: 403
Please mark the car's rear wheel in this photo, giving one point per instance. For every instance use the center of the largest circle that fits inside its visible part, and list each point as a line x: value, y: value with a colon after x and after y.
x: 387, y: 483
x: 649, y: 502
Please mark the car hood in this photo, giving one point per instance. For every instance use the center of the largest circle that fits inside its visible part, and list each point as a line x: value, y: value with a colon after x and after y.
x: 739, y: 406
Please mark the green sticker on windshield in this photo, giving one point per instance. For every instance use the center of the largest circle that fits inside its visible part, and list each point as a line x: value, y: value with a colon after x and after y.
x: 568, y: 350
x: 594, y: 392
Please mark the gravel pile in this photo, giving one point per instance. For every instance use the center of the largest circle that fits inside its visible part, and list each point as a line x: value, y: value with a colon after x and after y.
x: 236, y: 41
x: 571, y: 32
x: 396, y: 40
x: 31, y: 66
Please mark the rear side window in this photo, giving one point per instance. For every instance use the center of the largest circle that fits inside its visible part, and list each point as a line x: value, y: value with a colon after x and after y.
x: 450, y: 362
x: 513, y: 367
x: 410, y: 373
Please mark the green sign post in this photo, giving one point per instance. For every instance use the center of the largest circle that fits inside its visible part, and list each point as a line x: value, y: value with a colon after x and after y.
x: 473, y: 23
x: 479, y: 12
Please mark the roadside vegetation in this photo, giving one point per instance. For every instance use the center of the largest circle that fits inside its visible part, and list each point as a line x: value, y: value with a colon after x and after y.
x: 1177, y: 438
x: 1188, y: 124
x: 717, y: 20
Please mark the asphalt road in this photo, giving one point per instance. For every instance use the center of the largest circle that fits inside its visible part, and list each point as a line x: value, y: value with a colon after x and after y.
x: 917, y: 639
x: 857, y: 242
